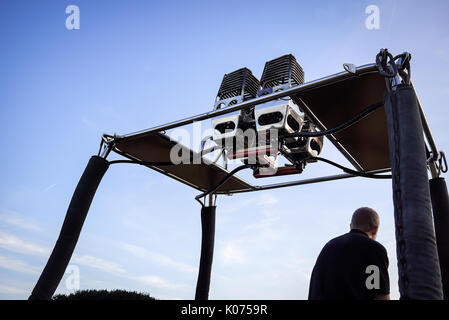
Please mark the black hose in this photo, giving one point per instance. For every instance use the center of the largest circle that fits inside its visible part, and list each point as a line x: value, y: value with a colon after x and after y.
x: 440, y: 208
x: 354, y: 172
x: 143, y: 163
x: 226, y: 178
x: 71, y: 229
x: 340, y: 127
x: 207, y: 252
x: 417, y: 254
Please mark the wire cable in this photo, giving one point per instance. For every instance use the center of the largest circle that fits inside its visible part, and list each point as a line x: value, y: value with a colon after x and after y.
x: 354, y: 172
x: 222, y: 181
x: 202, y: 204
x: 338, y: 128
x: 167, y: 163
x: 144, y: 163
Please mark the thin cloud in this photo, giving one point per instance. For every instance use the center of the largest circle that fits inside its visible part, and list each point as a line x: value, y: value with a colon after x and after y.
x: 16, y: 219
x: 98, y: 263
x: 265, y: 226
x: 267, y: 199
x: 263, y: 200
x: 17, y: 265
x: 232, y: 253
x: 50, y: 187
x: 158, y: 282
x: 15, y: 244
x: 12, y: 290
x: 18, y: 245
x: 160, y: 259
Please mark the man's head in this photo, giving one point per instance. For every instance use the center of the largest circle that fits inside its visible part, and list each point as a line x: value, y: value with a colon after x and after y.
x: 366, y: 220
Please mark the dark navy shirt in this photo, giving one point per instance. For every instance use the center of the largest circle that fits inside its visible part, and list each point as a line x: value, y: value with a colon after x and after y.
x: 342, y: 269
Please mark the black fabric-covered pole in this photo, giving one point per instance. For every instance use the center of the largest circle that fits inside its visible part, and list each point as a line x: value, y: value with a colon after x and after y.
x: 418, y: 265
x: 440, y: 206
x: 71, y: 228
x: 207, y: 252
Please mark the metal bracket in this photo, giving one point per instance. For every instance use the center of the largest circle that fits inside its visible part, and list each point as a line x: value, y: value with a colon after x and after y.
x: 403, y: 66
x: 437, y: 166
x: 350, y: 67
x: 106, y: 145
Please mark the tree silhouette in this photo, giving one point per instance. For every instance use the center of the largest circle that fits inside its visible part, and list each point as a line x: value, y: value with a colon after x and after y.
x: 103, y: 295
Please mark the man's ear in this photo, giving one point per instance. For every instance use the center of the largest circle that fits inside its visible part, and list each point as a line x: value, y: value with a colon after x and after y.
x: 374, y: 230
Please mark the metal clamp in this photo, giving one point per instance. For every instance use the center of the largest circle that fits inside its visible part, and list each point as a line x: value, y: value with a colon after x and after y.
x: 350, y: 67
x: 387, y: 67
x: 106, y: 145
x: 385, y: 64
x: 437, y: 163
x: 442, y: 163
x: 403, y: 66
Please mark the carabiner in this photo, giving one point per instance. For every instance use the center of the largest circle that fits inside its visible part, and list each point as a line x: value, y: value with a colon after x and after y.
x: 404, y: 64
x: 385, y: 63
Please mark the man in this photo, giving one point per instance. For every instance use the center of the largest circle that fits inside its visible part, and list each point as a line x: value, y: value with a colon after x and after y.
x: 353, y: 266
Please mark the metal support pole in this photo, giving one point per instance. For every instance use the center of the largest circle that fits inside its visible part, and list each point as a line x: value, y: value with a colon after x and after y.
x: 71, y: 229
x: 440, y: 206
x: 207, y: 251
x: 418, y: 265
x: 426, y: 129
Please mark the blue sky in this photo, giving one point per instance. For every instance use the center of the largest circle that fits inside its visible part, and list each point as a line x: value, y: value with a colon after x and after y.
x: 136, y: 64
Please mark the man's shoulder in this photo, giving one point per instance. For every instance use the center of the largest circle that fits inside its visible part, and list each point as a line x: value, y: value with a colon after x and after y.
x: 379, y: 247
x: 350, y: 237
x: 373, y: 247
x: 335, y: 241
